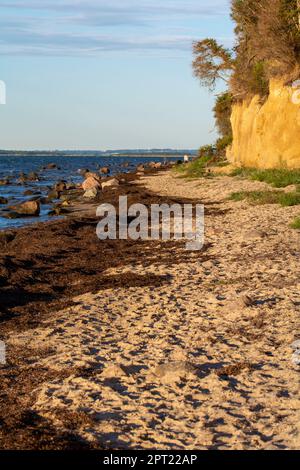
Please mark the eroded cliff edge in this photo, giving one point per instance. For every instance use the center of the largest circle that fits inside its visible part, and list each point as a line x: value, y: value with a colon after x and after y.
x: 267, y: 135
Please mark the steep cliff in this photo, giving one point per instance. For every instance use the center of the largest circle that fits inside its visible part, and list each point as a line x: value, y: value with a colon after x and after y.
x: 267, y: 135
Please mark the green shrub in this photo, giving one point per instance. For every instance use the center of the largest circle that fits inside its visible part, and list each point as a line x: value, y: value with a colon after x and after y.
x: 222, y: 112
x: 195, y: 169
x: 223, y: 143
x: 268, y: 197
x: 296, y: 224
x: 259, y: 84
x: 278, y: 178
x: 198, y: 167
x: 207, y: 151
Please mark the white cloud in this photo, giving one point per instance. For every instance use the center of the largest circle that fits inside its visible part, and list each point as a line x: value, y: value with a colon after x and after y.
x: 90, y: 26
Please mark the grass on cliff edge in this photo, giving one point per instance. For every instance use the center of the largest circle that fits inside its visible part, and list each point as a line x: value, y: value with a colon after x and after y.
x: 278, y: 178
x: 296, y: 224
x: 268, y: 197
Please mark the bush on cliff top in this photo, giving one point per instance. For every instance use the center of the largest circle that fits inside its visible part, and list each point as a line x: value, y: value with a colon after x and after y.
x: 267, y: 46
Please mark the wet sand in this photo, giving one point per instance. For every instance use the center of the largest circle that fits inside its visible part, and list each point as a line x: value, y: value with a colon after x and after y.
x: 138, y: 345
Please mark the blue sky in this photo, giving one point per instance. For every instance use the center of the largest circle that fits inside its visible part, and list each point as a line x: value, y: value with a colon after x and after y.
x: 99, y: 74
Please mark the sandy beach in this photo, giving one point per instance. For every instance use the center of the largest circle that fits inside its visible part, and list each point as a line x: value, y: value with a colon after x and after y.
x: 144, y: 345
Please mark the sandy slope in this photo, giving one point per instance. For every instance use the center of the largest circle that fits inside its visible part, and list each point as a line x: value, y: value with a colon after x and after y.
x: 192, y: 363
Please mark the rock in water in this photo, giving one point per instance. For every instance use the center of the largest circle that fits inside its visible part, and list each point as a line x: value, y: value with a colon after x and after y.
x: 28, y: 192
x: 105, y: 170
x: 33, y: 176
x: 60, y: 186
x: 51, y: 166
x: 52, y: 195
x: 28, y: 208
x: 12, y: 215
x: 3, y: 200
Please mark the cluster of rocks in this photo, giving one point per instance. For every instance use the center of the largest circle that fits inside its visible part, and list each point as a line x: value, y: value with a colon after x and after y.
x: 63, y: 194
x: 23, y: 179
x: 94, y: 184
x: 30, y: 178
x: 140, y: 170
x: 60, y: 196
x: 31, y: 207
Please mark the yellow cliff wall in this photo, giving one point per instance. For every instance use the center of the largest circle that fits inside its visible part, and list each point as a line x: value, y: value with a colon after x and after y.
x: 267, y: 135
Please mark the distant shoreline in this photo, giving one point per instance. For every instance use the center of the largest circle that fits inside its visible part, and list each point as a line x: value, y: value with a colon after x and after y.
x: 91, y: 153
x: 138, y: 155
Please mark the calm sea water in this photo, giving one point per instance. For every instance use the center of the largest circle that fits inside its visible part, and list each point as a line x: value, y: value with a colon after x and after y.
x: 11, y: 167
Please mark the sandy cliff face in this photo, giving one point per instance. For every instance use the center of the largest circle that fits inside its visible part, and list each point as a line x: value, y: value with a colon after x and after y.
x: 267, y: 135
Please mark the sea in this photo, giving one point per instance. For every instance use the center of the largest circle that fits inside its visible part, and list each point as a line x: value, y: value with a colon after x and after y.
x: 12, y: 166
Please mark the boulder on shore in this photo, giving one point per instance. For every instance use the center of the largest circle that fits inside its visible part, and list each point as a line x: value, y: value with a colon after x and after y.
x: 28, y: 208
x: 155, y: 165
x: 90, y: 174
x: 113, y: 183
x: 91, y: 193
x: 91, y: 182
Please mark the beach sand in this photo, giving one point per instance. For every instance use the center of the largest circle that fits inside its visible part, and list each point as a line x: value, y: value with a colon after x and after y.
x: 198, y: 356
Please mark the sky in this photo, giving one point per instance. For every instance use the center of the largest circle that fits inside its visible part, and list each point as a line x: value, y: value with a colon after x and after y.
x: 113, y: 74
